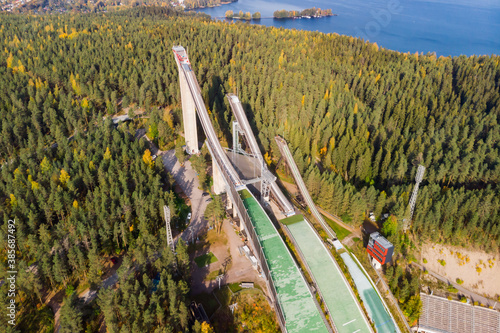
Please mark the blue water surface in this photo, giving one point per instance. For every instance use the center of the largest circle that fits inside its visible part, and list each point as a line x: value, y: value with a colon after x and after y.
x: 447, y: 27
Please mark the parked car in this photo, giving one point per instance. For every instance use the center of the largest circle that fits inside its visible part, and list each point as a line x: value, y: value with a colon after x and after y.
x: 189, y: 216
x: 204, y: 194
x: 209, y: 199
x: 372, y: 217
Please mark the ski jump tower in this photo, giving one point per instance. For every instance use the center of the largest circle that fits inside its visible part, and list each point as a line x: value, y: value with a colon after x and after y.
x: 189, y: 115
x: 188, y: 107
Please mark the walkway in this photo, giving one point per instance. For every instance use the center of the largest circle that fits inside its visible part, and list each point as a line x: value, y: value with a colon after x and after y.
x: 298, y: 305
x: 338, y: 297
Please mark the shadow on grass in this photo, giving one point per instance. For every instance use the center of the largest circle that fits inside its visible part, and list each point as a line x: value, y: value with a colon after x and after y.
x: 205, y: 259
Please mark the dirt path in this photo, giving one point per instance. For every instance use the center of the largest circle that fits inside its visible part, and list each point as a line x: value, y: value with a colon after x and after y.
x: 338, y: 220
x: 186, y: 178
x: 55, y: 301
x: 239, y: 267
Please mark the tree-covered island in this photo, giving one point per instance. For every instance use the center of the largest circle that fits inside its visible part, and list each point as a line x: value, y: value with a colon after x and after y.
x: 306, y: 13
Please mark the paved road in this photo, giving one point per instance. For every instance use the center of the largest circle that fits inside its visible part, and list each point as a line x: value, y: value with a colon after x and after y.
x: 466, y: 292
x: 186, y: 178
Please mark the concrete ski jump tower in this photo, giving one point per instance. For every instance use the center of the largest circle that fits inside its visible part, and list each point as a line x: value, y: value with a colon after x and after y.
x: 188, y: 105
x: 189, y: 92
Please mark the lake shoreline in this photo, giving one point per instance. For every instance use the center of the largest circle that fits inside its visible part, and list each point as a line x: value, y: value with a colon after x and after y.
x: 214, y: 6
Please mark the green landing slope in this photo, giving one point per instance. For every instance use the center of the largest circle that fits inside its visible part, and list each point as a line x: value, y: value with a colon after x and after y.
x: 344, y: 310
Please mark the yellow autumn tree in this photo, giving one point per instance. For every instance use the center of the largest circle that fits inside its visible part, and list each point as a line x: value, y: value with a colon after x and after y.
x: 34, y: 185
x: 147, y: 158
x: 9, y: 60
x: 355, y: 111
x: 20, y: 67
x: 85, y: 103
x: 13, y: 200
x: 206, y: 328
x: 75, y: 204
x: 267, y: 158
x: 168, y: 118
x: 17, y: 174
x: 107, y: 154
x: 332, y: 143
x: 64, y: 177
x: 45, y: 165
x: 75, y: 85
x: 81, y: 156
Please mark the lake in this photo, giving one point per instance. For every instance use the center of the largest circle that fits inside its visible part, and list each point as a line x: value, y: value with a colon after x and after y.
x: 447, y: 27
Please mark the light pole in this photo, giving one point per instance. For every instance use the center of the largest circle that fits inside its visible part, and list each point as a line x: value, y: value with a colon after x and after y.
x: 219, y: 278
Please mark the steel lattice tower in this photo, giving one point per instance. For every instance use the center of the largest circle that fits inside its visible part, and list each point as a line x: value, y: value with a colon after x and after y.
x: 413, y: 199
x: 170, y: 239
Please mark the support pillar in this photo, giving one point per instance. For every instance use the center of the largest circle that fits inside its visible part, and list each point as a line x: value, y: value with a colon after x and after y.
x: 188, y: 116
x: 230, y: 205
x: 264, y: 190
x: 219, y: 186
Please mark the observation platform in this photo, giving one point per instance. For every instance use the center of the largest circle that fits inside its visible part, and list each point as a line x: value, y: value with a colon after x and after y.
x: 297, y: 302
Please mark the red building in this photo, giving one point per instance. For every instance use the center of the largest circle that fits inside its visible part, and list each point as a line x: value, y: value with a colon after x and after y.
x: 380, y: 248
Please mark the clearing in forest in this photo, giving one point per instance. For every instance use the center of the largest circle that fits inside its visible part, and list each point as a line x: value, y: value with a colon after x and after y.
x: 478, y: 270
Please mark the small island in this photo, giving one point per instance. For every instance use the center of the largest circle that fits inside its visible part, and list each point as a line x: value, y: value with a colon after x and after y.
x: 306, y: 13
x: 242, y: 16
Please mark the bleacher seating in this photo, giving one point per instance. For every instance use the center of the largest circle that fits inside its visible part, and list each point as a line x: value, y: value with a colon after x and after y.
x: 441, y: 315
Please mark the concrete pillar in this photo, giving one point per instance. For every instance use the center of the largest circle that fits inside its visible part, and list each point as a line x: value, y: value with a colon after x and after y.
x: 219, y: 186
x: 188, y: 116
x: 230, y: 205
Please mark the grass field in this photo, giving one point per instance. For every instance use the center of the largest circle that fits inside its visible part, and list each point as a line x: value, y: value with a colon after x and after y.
x: 212, y: 275
x: 205, y: 259
x: 235, y: 287
x: 341, y: 232
x: 292, y: 219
